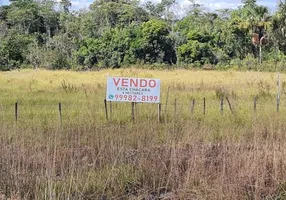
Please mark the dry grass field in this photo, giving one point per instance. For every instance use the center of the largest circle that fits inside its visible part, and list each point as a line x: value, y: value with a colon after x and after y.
x: 189, y: 155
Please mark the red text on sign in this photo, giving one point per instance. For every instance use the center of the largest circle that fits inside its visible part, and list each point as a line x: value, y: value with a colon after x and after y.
x: 125, y: 82
x: 136, y: 98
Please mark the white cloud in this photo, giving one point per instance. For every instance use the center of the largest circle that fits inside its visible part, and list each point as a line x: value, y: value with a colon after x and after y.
x: 4, y: 2
x: 182, y: 4
x: 79, y: 4
x: 220, y: 4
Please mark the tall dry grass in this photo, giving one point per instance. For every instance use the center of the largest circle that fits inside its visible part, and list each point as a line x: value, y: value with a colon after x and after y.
x: 187, y: 156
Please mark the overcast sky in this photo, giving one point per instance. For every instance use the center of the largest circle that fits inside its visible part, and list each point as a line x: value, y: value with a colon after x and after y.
x: 210, y: 4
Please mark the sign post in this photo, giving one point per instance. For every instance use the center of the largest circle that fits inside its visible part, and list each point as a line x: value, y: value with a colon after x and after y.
x: 139, y: 90
x: 133, y: 90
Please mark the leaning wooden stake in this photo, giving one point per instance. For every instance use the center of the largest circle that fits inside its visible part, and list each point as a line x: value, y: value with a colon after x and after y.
x: 106, y: 112
x: 229, y: 105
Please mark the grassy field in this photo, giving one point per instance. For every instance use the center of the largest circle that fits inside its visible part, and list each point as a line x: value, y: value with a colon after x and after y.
x: 190, y: 155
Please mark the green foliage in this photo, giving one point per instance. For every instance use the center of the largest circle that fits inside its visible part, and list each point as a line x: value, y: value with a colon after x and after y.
x: 156, y: 44
x: 116, y: 33
x: 115, y: 47
x: 13, y: 49
x: 117, y: 13
x: 60, y: 62
x: 197, y: 50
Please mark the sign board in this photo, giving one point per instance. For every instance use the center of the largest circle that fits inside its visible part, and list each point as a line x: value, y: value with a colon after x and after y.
x: 124, y: 89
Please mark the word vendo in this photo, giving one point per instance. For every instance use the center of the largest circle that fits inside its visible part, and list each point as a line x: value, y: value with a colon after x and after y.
x: 124, y: 89
x: 131, y: 82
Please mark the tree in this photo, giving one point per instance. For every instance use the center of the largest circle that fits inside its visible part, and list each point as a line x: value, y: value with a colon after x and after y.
x: 260, y: 24
x: 198, y: 49
x: 23, y: 15
x: 115, y: 33
x: 13, y: 50
x: 65, y: 5
x: 157, y: 46
x: 195, y: 9
x: 114, y: 13
x: 49, y: 18
x: 279, y: 27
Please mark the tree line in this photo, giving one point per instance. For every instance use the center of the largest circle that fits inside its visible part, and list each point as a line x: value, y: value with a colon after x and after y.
x: 117, y: 33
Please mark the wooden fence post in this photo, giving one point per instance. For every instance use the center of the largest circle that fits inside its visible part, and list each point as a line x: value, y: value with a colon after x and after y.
x: 278, y: 103
x: 204, y: 110
x: 255, y: 103
x: 159, y: 113
x: 193, y: 106
x: 175, y: 108
x: 221, y: 105
x: 175, y: 117
x: 166, y: 105
x: 60, y: 113
x: 105, y: 107
x: 16, y: 112
x: 133, y: 112
x: 136, y: 111
x: 278, y: 93
x: 110, y: 110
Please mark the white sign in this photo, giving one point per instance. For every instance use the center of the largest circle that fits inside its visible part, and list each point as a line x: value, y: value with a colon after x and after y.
x: 133, y: 90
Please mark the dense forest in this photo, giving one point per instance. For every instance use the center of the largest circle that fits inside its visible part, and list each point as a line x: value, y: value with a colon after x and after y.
x: 118, y: 33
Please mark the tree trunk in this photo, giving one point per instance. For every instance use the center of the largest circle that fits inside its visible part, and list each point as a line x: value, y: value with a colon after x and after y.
x: 260, y: 53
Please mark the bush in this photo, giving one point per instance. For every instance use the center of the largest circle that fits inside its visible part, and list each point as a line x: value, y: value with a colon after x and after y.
x: 61, y: 62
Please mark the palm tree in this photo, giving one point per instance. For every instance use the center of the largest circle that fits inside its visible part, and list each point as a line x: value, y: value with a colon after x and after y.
x: 261, y: 27
x: 258, y: 21
x: 279, y: 26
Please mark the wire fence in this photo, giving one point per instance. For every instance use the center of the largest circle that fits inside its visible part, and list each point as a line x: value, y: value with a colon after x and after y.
x: 103, y: 111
